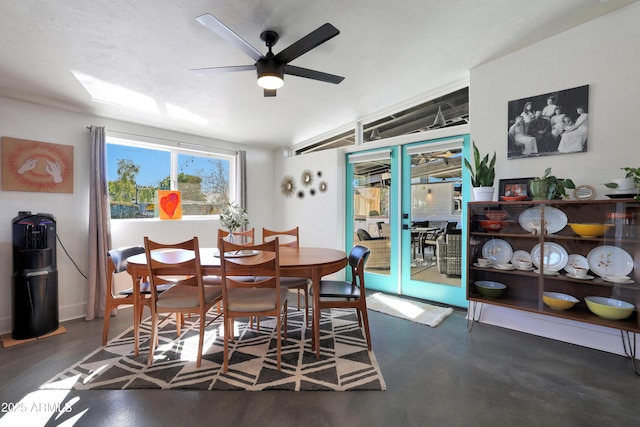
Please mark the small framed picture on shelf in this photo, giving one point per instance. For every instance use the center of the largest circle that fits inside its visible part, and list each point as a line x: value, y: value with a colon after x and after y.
x: 514, y: 189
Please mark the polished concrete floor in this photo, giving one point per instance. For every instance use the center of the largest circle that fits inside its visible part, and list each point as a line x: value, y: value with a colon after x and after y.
x: 443, y: 376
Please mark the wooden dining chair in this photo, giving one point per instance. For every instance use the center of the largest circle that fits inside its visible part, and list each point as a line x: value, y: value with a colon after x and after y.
x: 247, y: 237
x: 116, y: 266
x: 263, y: 297
x: 345, y: 294
x: 291, y: 238
x: 178, y: 264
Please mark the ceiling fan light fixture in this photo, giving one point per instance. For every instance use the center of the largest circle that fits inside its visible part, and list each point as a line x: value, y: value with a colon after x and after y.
x: 269, y: 81
x: 270, y: 74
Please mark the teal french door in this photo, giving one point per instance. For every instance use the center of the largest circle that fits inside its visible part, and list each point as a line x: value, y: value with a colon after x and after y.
x: 372, y: 206
x: 433, y: 191
x: 392, y: 194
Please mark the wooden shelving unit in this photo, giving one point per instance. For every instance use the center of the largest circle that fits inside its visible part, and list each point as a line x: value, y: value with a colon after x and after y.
x: 525, y: 288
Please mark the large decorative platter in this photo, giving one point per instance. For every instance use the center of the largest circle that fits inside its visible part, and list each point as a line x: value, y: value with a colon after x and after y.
x: 555, y: 256
x: 556, y: 219
x: 610, y: 261
x: 575, y: 260
x: 498, y: 251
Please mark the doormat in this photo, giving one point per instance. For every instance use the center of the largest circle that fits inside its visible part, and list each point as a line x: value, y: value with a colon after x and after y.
x: 344, y: 363
x: 412, y: 310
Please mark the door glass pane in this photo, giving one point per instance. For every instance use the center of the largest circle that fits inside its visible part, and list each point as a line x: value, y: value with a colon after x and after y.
x: 371, y: 212
x: 436, y: 214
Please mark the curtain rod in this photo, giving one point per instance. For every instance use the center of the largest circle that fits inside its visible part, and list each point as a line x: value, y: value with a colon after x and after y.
x: 180, y: 143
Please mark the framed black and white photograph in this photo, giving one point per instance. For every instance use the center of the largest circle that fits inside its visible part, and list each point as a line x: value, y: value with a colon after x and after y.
x: 548, y: 124
x: 514, y: 189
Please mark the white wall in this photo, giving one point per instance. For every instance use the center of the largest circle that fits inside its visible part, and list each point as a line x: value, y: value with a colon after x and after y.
x: 321, y: 216
x: 602, y: 54
x: 32, y: 122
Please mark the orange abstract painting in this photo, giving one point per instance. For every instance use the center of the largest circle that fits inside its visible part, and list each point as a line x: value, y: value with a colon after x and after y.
x: 170, y: 204
x: 36, y: 166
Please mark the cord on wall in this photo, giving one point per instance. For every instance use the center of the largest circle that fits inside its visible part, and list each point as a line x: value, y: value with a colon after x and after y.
x: 69, y: 256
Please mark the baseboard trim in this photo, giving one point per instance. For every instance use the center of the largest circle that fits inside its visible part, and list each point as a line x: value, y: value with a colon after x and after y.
x: 65, y: 314
x: 570, y: 331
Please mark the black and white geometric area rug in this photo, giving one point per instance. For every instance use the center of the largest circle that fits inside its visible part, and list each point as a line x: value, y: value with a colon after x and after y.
x: 344, y: 364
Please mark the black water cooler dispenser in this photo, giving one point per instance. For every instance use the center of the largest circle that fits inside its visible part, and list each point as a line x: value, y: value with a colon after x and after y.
x: 35, y: 275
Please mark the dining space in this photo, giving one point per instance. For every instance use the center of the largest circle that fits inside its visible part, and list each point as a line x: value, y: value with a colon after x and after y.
x: 238, y: 280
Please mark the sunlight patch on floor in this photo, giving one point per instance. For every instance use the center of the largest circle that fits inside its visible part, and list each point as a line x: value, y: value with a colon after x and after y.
x: 405, y: 307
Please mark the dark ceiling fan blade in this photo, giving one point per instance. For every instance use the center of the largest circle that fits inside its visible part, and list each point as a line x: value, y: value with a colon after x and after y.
x: 312, y: 74
x: 269, y: 92
x: 229, y: 69
x: 227, y: 34
x: 308, y: 42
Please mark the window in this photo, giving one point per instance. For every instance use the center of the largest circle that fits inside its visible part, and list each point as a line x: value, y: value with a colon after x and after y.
x: 136, y: 170
x: 448, y: 110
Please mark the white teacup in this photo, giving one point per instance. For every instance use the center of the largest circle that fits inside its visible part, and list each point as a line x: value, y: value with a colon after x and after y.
x: 523, y: 264
x: 580, y: 272
x: 484, y: 262
x: 548, y: 270
x: 504, y: 266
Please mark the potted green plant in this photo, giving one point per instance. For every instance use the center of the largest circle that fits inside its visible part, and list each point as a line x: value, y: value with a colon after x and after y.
x: 233, y: 217
x: 629, y: 183
x: 548, y: 187
x: 483, y: 174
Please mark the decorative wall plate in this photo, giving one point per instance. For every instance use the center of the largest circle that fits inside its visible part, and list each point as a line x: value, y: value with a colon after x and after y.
x: 307, y: 178
x: 584, y: 192
x: 287, y: 186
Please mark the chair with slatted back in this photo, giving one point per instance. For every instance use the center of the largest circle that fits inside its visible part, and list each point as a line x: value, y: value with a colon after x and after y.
x: 246, y: 237
x: 263, y: 297
x: 117, y: 265
x: 345, y: 294
x: 291, y: 238
x: 178, y: 264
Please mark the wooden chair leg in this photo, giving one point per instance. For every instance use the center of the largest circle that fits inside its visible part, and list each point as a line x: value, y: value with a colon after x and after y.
x: 365, y: 319
x: 306, y: 307
x: 153, y: 340
x: 105, y: 327
x: 201, y: 340
x: 227, y: 336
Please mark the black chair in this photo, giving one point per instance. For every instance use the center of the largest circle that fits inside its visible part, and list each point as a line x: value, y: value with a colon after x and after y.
x: 117, y: 263
x: 344, y: 294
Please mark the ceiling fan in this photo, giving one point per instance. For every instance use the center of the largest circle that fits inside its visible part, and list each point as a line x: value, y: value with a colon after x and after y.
x: 271, y: 68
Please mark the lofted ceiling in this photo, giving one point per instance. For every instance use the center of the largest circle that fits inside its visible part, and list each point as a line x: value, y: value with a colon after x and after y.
x: 70, y: 54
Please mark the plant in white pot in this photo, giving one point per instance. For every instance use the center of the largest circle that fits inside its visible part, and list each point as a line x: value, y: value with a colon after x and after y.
x: 627, y: 185
x: 483, y: 174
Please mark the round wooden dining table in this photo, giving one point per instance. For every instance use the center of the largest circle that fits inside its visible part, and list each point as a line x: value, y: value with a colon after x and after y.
x: 311, y: 263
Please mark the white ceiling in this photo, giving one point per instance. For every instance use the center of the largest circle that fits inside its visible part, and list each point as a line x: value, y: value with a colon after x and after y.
x: 390, y: 52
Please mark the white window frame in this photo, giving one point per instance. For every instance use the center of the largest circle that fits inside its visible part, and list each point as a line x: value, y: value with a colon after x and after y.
x: 175, y: 149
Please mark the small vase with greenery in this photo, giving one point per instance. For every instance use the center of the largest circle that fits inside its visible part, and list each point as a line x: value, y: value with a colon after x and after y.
x: 233, y: 217
x: 548, y: 187
x: 631, y: 174
x: 483, y: 172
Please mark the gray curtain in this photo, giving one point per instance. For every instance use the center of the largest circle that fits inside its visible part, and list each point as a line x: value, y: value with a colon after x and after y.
x: 99, y: 226
x: 241, y: 178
